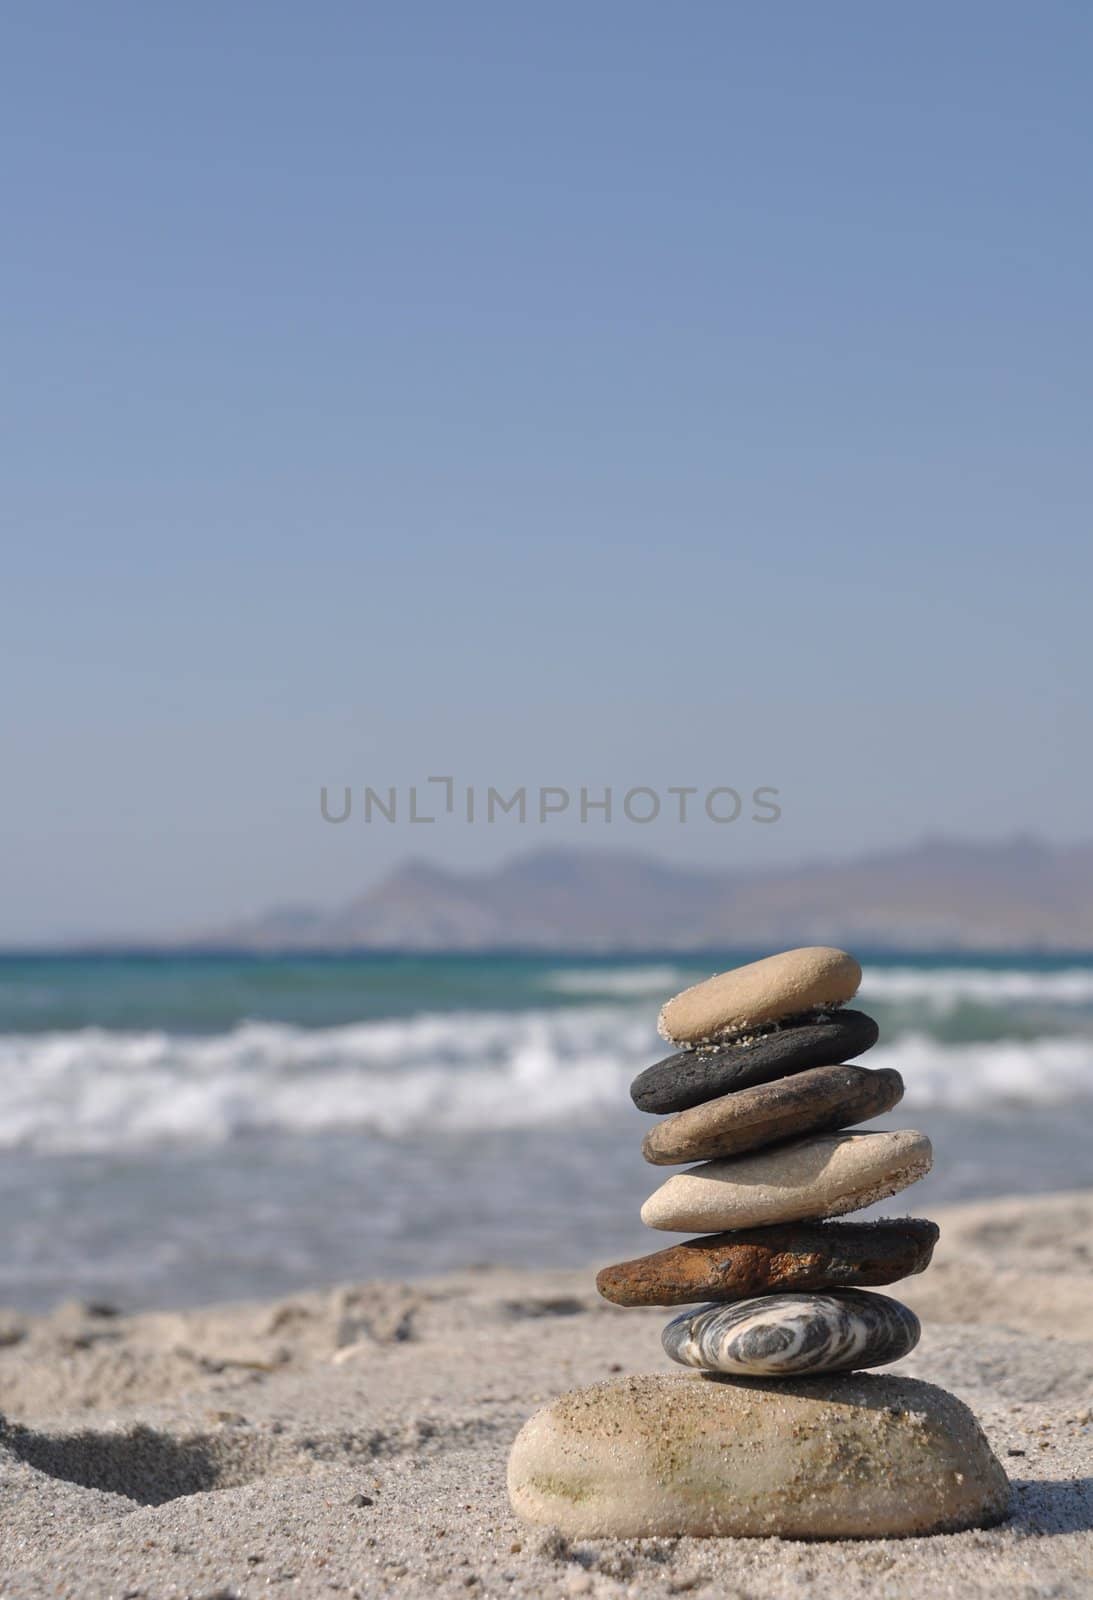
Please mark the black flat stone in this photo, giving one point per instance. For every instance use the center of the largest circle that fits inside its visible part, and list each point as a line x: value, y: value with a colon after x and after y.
x: 692, y: 1076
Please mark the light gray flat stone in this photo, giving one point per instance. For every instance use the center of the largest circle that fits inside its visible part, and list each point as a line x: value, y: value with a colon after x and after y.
x: 824, y: 1176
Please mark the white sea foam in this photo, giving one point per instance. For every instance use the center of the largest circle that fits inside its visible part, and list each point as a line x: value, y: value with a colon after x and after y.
x: 96, y: 1089
x: 989, y: 1076
x: 941, y: 989
x: 444, y: 1073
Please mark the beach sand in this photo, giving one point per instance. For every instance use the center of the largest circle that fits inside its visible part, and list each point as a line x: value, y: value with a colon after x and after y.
x: 353, y: 1441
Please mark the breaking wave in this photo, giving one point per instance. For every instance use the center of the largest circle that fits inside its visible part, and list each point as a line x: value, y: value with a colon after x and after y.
x: 97, y: 1089
x: 937, y: 989
x: 941, y: 989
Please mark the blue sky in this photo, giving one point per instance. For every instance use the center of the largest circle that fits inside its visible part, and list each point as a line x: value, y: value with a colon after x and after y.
x: 542, y: 394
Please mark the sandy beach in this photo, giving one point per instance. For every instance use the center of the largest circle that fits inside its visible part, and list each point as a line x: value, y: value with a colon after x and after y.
x: 547, y: 725
x: 353, y: 1441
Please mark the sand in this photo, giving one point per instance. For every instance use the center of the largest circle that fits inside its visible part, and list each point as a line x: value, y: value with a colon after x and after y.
x: 353, y: 1441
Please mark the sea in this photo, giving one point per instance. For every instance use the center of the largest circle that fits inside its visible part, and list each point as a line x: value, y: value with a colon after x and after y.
x: 182, y: 1129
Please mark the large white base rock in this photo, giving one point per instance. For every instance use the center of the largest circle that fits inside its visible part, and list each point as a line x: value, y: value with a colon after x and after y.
x: 857, y: 1456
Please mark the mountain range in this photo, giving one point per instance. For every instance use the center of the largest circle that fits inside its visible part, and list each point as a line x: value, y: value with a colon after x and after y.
x: 940, y: 893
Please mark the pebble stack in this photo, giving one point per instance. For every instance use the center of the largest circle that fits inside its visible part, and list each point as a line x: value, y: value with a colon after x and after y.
x: 761, y: 1093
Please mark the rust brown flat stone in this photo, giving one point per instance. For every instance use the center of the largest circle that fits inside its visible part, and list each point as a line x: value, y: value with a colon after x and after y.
x: 793, y: 1256
x: 808, y: 1102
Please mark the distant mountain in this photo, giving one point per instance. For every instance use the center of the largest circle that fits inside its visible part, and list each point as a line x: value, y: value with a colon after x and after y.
x: 940, y: 893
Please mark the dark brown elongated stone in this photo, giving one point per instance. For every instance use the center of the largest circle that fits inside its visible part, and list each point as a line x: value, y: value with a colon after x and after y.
x: 792, y: 1256
x: 807, y: 1102
x: 691, y: 1076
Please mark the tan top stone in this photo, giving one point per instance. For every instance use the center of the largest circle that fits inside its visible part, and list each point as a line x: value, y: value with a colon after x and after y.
x: 824, y: 1176
x: 763, y: 991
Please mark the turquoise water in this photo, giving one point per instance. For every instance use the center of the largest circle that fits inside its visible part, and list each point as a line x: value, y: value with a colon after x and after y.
x: 177, y: 1128
x: 206, y: 993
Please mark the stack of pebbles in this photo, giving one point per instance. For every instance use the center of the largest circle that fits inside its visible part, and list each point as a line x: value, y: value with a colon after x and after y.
x: 758, y: 1094
x: 778, y: 1432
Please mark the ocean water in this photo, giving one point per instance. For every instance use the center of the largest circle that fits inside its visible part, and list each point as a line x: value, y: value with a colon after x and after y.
x: 176, y: 1129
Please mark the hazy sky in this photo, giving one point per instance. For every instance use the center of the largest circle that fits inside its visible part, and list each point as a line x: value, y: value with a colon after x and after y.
x: 616, y: 393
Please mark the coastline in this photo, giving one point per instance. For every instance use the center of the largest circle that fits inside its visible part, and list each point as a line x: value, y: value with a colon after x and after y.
x: 353, y: 1441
